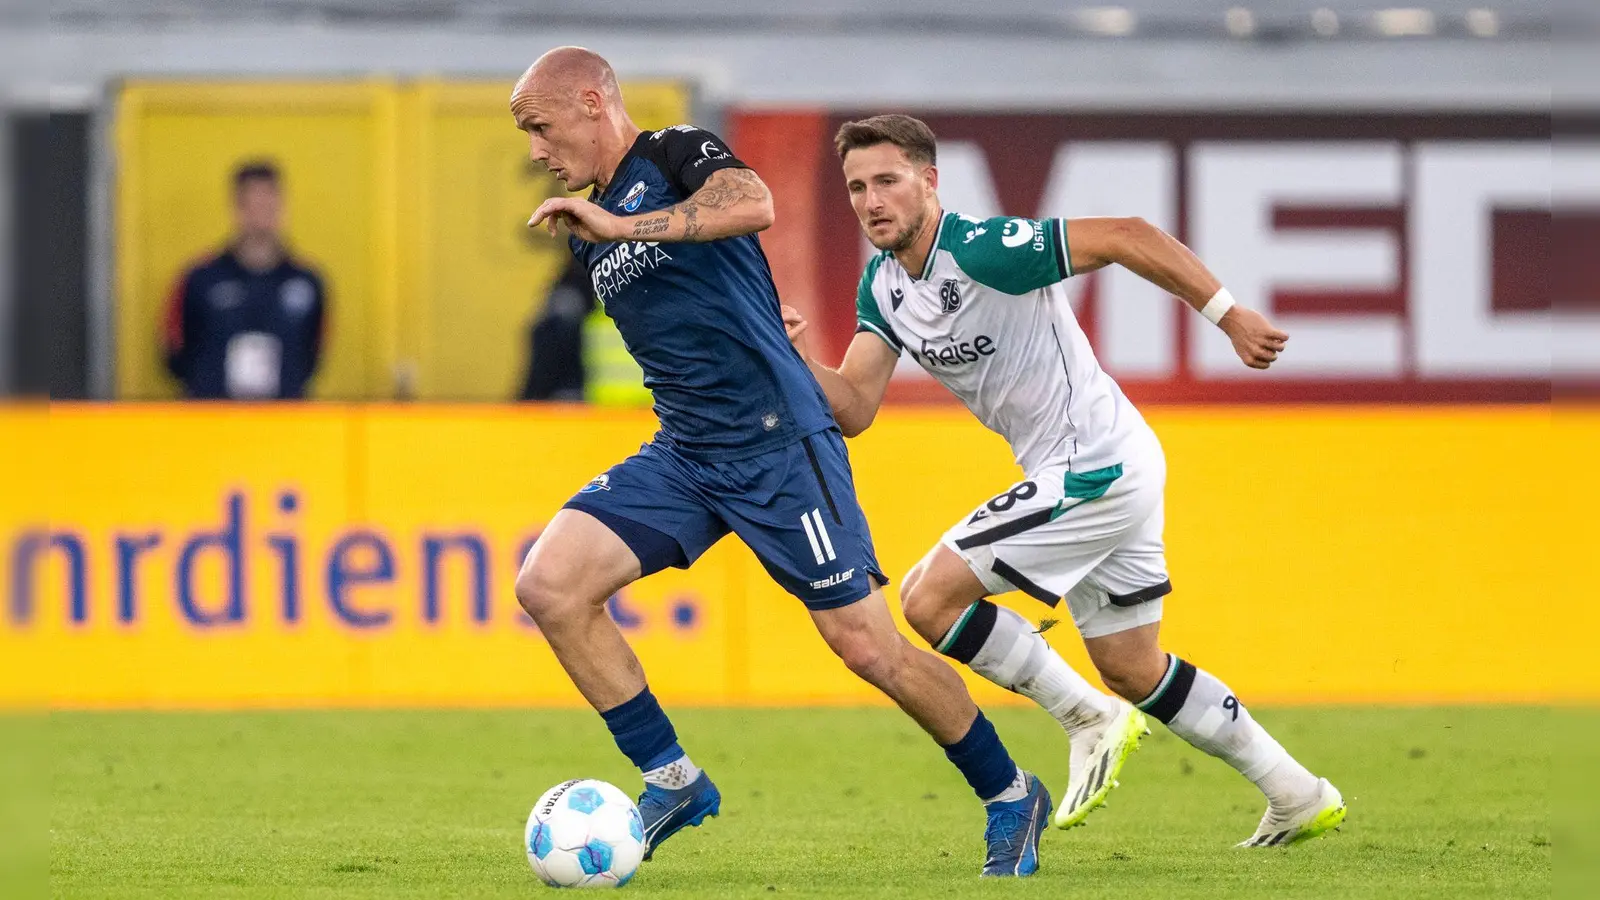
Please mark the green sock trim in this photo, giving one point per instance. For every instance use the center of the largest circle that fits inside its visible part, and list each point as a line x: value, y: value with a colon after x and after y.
x: 955, y: 631
x: 1161, y: 688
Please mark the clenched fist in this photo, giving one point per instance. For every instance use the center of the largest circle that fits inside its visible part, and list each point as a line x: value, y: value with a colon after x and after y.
x: 795, y: 325
x: 1254, y: 339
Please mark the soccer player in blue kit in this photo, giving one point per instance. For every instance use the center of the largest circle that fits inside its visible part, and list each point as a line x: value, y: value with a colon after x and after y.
x: 747, y: 445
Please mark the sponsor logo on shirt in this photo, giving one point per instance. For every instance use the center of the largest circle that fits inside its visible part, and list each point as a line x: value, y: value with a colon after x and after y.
x: 1020, y: 231
x: 600, y: 483
x: 954, y: 354
x: 626, y: 262
x: 710, y: 152
x: 635, y: 197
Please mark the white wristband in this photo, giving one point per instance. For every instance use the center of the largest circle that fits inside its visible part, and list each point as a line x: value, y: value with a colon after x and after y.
x: 1218, y: 306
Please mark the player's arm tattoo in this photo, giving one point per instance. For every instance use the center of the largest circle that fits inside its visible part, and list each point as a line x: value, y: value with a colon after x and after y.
x: 649, y: 225
x: 691, y: 220
x: 704, y: 215
x: 727, y: 188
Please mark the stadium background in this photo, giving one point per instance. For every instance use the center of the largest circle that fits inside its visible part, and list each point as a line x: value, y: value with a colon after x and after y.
x: 1380, y: 180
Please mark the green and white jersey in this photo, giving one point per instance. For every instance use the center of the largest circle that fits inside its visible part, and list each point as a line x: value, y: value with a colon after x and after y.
x: 989, y: 318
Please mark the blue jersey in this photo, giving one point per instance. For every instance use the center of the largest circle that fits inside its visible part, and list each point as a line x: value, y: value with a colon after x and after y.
x: 701, y: 319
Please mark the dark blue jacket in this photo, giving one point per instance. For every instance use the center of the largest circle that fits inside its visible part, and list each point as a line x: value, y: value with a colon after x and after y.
x: 237, y: 334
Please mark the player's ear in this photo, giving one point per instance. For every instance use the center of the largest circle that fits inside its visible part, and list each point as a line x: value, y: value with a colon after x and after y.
x: 931, y: 173
x: 592, y: 103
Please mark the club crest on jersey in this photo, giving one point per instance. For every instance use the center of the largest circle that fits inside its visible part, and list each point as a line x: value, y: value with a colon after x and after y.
x: 949, y: 296
x: 600, y: 483
x: 635, y: 197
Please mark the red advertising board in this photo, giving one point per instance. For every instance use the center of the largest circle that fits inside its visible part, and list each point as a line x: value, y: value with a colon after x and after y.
x: 1411, y: 257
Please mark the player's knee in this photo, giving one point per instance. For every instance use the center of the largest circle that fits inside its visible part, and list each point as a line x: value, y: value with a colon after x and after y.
x: 870, y: 657
x: 1120, y: 681
x: 1133, y: 676
x: 920, y: 604
x: 541, y: 592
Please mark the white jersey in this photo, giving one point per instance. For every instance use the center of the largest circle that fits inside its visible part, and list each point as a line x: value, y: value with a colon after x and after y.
x: 989, y: 318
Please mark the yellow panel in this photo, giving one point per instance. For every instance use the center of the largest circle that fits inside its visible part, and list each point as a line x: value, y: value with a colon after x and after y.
x: 677, y: 620
x: 177, y: 147
x: 25, y: 505
x: 1344, y: 555
x: 480, y: 274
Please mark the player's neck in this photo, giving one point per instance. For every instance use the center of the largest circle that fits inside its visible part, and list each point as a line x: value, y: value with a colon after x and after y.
x: 619, y: 142
x: 258, y: 253
x: 914, y: 258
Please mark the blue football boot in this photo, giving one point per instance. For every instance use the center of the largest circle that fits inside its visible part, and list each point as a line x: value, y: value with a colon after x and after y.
x: 666, y: 811
x: 1013, y: 832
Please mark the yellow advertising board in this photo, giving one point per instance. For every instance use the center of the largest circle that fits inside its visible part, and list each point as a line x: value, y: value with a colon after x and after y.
x: 177, y: 147
x: 332, y: 555
x: 410, y: 199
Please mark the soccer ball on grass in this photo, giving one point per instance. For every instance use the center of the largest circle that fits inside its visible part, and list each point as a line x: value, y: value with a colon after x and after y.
x: 584, y: 833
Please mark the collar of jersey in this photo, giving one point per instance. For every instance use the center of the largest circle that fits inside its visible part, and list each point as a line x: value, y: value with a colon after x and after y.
x: 927, y: 264
x: 598, y: 196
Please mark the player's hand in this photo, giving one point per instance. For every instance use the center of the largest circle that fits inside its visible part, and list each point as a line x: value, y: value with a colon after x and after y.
x: 1254, y: 338
x: 795, y: 325
x: 585, y: 219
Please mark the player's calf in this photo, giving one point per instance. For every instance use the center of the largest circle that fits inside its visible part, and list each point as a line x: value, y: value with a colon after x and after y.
x: 1201, y: 709
x: 942, y: 600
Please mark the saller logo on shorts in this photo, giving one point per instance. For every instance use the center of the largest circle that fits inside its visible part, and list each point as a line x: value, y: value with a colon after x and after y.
x: 832, y: 580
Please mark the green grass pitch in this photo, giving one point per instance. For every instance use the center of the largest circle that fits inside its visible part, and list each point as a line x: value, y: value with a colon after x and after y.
x: 1450, y: 802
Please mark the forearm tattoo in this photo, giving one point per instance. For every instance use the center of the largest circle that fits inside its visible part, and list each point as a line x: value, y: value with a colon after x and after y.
x: 724, y: 190
x: 651, y: 225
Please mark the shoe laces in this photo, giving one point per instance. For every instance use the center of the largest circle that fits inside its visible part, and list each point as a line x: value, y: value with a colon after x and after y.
x: 654, y: 798
x: 1003, y: 825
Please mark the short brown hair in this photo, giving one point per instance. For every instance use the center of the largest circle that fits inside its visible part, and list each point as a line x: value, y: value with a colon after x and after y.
x: 909, y: 134
x: 263, y: 170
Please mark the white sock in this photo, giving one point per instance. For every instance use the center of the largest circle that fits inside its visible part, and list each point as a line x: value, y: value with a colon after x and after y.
x: 1204, y: 711
x: 1006, y: 649
x: 1017, y: 790
x: 680, y: 773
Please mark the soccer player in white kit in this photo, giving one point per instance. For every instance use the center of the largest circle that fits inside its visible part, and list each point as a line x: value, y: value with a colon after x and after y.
x: 979, y: 304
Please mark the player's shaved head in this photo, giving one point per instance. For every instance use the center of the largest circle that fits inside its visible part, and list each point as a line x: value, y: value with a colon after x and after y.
x: 568, y: 71
x: 570, y: 106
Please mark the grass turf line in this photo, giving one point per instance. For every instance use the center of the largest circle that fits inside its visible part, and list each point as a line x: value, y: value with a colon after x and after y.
x: 818, y: 802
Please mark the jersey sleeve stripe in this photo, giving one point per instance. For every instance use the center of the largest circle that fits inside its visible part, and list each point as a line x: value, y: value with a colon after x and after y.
x: 888, y: 336
x: 1064, y: 255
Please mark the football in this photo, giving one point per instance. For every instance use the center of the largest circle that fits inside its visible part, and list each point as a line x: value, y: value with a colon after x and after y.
x: 584, y: 833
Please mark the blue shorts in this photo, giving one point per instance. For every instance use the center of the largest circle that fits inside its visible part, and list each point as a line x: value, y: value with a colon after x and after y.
x: 795, y: 507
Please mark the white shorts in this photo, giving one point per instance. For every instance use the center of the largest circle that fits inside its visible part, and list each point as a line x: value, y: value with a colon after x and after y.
x: 1093, y: 538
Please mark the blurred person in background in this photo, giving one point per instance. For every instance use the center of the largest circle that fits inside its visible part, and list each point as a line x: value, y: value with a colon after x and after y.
x: 248, y: 324
x: 575, y: 353
x: 555, y: 340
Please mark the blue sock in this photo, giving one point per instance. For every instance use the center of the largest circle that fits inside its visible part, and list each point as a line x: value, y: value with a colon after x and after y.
x: 643, y: 732
x: 983, y: 759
